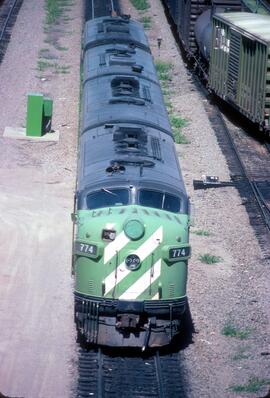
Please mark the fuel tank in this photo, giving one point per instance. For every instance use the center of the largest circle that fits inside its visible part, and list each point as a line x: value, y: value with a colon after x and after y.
x: 203, y: 33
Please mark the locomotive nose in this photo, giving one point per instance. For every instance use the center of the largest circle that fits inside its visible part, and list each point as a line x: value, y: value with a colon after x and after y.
x: 134, y: 228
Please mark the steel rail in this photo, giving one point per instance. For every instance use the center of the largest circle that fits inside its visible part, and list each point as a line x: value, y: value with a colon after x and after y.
x: 161, y: 390
x: 249, y: 179
x: 7, y: 19
x: 262, y: 203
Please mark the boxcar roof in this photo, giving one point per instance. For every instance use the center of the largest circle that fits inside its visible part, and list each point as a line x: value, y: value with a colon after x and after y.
x: 248, y: 24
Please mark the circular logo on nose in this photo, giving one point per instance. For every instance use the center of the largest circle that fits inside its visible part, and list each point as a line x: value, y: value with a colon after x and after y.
x: 133, y: 262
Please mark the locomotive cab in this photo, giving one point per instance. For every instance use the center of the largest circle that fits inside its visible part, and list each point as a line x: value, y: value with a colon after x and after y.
x: 130, y: 258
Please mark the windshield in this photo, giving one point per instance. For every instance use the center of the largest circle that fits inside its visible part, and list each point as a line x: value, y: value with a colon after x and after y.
x: 107, y: 198
x: 159, y: 200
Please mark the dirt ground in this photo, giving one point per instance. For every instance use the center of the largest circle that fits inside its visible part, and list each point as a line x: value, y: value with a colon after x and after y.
x: 38, y: 352
x: 37, y: 337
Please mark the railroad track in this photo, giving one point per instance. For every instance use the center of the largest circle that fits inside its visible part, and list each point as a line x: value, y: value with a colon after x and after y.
x: 97, y: 8
x: 249, y: 164
x: 8, y: 13
x: 107, y: 375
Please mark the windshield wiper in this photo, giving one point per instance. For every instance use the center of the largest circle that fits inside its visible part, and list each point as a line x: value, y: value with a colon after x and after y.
x: 109, y: 192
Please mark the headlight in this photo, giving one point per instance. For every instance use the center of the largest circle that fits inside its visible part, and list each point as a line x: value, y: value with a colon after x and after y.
x: 134, y: 229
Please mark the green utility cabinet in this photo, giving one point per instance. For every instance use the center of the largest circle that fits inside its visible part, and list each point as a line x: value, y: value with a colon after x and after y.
x: 240, y: 63
x: 39, y: 115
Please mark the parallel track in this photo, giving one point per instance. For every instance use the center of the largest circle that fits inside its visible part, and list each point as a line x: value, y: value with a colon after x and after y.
x: 8, y: 13
x: 249, y: 164
x: 106, y: 375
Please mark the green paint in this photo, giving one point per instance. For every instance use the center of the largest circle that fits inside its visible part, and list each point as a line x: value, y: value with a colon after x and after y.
x: 34, y: 115
x: 92, y: 272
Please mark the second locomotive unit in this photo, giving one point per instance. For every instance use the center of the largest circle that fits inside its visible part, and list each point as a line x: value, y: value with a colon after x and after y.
x: 131, y: 245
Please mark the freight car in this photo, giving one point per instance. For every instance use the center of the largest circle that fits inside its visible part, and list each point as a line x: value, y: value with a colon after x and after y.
x: 231, y: 49
x: 131, y: 245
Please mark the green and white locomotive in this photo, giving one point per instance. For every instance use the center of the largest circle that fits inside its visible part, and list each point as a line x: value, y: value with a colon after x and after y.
x: 131, y: 245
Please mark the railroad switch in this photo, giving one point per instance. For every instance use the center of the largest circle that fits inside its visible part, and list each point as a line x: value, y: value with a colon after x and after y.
x: 211, y: 182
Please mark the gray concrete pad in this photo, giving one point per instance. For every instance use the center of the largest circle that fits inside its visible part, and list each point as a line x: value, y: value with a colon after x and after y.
x: 19, y: 133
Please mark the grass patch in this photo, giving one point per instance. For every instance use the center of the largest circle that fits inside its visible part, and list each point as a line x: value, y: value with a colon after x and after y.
x: 43, y: 51
x: 140, y: 4
x: 43, y: 65
x: 60, y: 48
x: 177, y: 124
x: 55, y: 9
x: 230, y: 330
x: 241, y: 354
x: 168, y: 105
x: 163, y: 70
x: 253, y: 385
x: 146, y: 21
x: 64, y: 69
x: 209, y: 258
x: 201, y: 232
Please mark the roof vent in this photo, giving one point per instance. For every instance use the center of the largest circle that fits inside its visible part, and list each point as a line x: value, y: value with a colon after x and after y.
x: 130, y: 140
x: 125, y: 86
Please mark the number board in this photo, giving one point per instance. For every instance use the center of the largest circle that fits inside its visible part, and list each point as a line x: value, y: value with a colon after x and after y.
x: 179, y: 252
x: 85, y: 248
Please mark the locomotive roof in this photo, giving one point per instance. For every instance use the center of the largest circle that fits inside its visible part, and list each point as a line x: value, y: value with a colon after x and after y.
x: 114, y: 29
x: 117, y: 98
x: 108, y: 59
x: 248, y: 24
x: 126, y: 155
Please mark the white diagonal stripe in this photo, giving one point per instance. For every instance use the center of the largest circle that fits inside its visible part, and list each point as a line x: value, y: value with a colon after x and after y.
x: 115, y: 246
x: 143, y: 251
x: 155, y: 297
x: 142, y: 283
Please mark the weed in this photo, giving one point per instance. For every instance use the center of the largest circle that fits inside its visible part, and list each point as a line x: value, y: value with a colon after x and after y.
x: 146, y: 21
x: 241, y: 354
x: 64, y: 69
x: 254, y: 385
x: 230, y: 330
x: 43, y: 65
x: 140, y: 4
x: 180, y: 138
x: 201, y: 232
x: 168, y: 105
x: 43, y: 51
x: 177, y: 124
x: 209, y: 258
x: 60, y: 48
x: 55, y: 9
x: 163, y: 70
